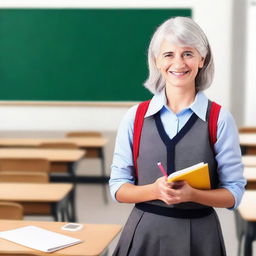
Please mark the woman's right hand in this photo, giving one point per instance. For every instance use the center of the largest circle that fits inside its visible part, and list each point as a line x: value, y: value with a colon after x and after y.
x: 164, y: 190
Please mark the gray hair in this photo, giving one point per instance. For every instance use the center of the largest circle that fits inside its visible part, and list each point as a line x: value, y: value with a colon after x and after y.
x: 183, y: 31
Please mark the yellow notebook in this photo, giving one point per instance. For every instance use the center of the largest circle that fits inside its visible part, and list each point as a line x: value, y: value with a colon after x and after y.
x: 197, y: 176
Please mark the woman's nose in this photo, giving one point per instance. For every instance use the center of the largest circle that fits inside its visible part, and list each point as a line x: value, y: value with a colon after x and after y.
x: 178, y: 62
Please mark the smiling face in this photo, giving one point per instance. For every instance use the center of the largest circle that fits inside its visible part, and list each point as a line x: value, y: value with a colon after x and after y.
x: 178, y: 64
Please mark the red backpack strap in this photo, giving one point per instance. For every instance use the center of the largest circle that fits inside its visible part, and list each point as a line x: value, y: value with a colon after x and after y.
x: 138, y: 123
x: 213, y: 122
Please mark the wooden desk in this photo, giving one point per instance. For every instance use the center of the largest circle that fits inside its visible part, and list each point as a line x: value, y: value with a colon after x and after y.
x: 96, y: 239
x: 247, y: 211
x: 249, y: 160
x: 248, y: 143
x: 52, y: 155
x: 84, y: 143
x: 69, y: 157
x: 250, y: 176
x: 57, y: 194
x: 94, y: 146
x: 250, y: 173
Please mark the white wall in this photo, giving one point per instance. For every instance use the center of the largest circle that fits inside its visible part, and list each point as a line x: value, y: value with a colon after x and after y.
x: 250, y: 107
x: 215, y: 18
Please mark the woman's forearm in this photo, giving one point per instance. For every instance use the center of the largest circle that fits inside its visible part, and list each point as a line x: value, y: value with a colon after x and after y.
x: 129, y: 193
x: 216, y: 198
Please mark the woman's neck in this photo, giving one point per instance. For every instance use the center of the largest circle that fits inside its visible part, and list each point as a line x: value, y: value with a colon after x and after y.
x: 177, y: 100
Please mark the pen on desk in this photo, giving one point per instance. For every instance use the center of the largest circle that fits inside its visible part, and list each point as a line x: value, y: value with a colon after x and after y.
x: 162, y: 169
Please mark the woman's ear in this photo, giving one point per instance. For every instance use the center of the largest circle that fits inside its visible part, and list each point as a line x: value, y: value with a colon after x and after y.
x: 201, y: 63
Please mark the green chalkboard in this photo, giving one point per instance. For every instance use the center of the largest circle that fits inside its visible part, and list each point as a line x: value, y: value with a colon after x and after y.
x: 77, y: 54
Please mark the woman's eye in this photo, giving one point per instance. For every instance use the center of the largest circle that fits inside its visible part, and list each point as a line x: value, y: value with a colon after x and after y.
x: 188, y: 54
x: 168, y: 55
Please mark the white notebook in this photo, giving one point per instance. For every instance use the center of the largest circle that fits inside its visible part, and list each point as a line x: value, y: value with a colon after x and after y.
x: 39, y: 238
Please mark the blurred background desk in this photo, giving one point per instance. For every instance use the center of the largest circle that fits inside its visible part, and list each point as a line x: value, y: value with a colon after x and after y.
x: 247, y: 226
x: 94, y: 146
x: 250, y: 176
x: 57, y: 194
x: 248, y: 143
x: 249, y: 160
x: 54, y: 156
x: 70, y: 157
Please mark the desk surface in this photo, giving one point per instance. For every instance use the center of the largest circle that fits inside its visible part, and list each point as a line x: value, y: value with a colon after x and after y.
x: 250, y: 173
x: 247, y: 208
x: 96, y: 238
x: 58, y: 155
x: 88, y: 142
x: 34, y: 192
x: 249, y: 160
x: 247, y: 139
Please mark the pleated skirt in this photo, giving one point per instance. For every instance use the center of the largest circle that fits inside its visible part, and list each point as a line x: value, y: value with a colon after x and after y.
x: 149, y: 234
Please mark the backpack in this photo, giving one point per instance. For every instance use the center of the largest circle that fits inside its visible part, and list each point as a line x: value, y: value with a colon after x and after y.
x: 139, y: 119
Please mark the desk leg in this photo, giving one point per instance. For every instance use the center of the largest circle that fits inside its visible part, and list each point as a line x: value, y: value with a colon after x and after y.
x: 61, y: 210
x: 55, y: 211
x: 71, y: 206
x: 249, y: 237
x: 243, y: 150
x: 103, y: 174
x: 72, y: 169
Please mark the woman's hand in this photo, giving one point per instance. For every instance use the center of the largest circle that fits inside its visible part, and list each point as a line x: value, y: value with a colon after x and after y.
x: 173, y: 193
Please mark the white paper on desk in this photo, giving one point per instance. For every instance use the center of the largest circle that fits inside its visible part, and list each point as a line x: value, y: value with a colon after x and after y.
x: 39, y: 238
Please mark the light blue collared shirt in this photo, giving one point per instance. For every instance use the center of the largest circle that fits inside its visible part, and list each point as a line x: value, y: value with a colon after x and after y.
x: 227, y: 149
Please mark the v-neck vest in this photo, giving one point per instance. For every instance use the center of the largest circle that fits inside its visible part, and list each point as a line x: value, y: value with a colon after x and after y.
x: 190, y: 146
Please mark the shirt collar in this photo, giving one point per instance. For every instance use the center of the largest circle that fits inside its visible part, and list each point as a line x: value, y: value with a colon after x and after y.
x: 156, y: 104
x: 199, y: 106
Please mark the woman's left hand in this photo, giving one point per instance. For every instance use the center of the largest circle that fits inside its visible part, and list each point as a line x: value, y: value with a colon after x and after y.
x: 181, y: 192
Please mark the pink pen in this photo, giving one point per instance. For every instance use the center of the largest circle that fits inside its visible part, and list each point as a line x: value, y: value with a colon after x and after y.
x: 162, y: 169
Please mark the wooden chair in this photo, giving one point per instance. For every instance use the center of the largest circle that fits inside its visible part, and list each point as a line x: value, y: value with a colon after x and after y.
x: 247, y: 129
x: 84, y: 134
x: 58, y: 167
x: 11, y: 211
x: 28, y: 177
x: 16, y: 164
x: 58, y: 145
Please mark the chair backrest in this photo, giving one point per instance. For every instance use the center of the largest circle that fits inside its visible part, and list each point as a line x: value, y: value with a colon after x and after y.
x: 17, y: 164
x: 247, y: 129
x: 58, y: 145
x: 11, y: 211
x: 84, y: 134
x: 26, y: 177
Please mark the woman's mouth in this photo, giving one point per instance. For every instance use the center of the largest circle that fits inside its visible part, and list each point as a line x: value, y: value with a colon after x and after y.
x: 179, y: 74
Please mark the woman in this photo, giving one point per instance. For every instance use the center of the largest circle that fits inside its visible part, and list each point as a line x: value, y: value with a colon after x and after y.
x: 174, y: 218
